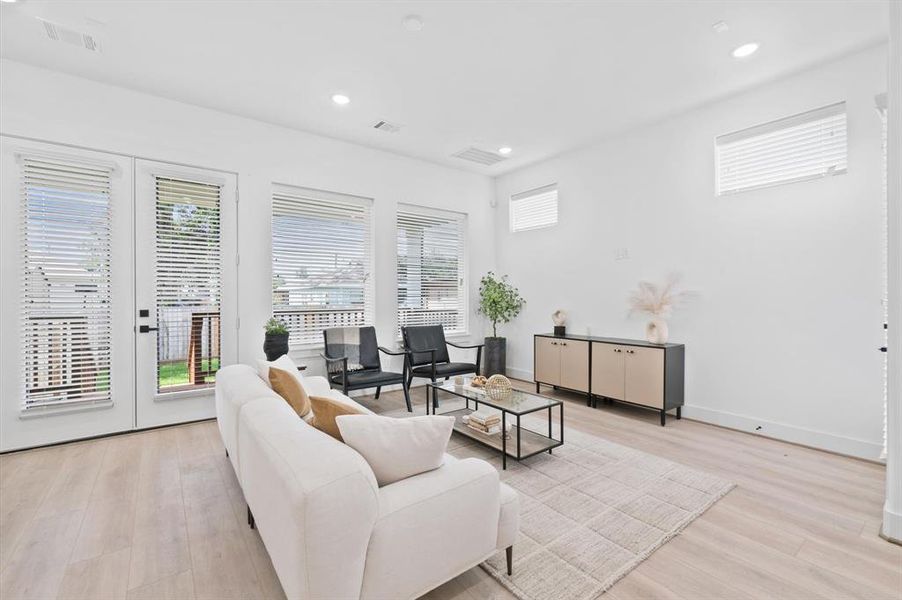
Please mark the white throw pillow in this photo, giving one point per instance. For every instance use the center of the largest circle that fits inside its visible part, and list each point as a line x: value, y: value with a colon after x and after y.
x: 397, y: 448
x: 284, y: 362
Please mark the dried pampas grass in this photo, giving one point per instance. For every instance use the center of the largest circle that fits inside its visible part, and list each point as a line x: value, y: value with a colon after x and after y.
x: 657, y: 300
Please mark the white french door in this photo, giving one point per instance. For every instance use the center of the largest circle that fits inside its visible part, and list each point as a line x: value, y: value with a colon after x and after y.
x: 66, y: 264
x: 184, y: 289
x: 89, y: 241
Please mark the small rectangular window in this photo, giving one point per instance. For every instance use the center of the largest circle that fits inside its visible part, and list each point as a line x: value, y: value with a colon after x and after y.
x: 797, y: 148
x: 534, y: 209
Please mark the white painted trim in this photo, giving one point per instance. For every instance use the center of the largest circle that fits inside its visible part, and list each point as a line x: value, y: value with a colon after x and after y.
x: 787, y: 433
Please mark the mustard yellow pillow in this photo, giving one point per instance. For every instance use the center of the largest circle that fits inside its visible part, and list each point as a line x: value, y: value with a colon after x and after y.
x: 287, y: 385
x: 325, y: 410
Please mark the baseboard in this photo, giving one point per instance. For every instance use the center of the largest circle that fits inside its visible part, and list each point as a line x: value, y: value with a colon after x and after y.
x: 819, y: 440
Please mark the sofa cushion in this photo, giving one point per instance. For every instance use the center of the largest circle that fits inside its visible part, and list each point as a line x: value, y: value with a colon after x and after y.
x: 326, y: 410
x: 284, y: 362
x: 397, y: 448
x: 287, y: 385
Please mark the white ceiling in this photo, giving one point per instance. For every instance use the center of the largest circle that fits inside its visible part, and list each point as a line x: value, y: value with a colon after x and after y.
x: 542, y: 77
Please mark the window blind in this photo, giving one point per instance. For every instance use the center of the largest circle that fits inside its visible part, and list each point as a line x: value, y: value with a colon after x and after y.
x: 801, y: 147
x: 188, y: 285
x: 66, y: 291
x: 321, y: 261
x: 534, y: 209
x: 431, y: 270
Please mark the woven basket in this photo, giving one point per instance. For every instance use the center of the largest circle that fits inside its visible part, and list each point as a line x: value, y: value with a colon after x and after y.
x: 497, y: 387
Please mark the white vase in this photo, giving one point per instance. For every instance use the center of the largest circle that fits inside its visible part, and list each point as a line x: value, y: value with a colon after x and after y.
x: 656, y: 331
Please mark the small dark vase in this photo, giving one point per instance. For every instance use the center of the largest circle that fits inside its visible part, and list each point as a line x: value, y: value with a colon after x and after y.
x: 275, y: 345
x: 495, y: 356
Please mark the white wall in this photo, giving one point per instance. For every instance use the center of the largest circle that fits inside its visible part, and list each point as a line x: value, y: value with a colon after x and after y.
x: 785, y: 329
x: 59, y: 108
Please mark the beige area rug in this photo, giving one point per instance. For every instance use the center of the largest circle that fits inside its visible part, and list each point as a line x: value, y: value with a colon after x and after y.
x: 590, y: 512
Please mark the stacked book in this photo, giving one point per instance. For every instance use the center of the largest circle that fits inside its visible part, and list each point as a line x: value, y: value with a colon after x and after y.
x: 485, y: 420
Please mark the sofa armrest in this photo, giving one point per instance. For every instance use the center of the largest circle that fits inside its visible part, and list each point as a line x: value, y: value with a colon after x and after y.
x: 432, y: 527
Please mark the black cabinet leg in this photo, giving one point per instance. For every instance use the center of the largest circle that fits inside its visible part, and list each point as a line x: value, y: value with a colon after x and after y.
x: 589, y: 400
x: 663, y: 415
x: 509, y: 551
x: 679, y: 412
x: 537, y: 387
x: 250, y: 518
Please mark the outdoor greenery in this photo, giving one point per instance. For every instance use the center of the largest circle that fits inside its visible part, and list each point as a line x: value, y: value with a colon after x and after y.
x: 499, y: 301
x: 176, y: 372
x: 275, y: 327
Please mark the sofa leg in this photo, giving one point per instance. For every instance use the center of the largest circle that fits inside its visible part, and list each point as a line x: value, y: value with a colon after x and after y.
x: 378, y: 389
x: 510, y: 560
x: 250, y: 518
x: 227, y: 453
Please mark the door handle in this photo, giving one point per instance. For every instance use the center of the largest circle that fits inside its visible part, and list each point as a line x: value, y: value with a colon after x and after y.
x: 146, y: 329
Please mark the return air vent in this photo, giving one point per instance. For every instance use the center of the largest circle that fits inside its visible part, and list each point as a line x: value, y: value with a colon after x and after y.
x: 60, y: 33
x: 387, y: 127
x: 479, y: 156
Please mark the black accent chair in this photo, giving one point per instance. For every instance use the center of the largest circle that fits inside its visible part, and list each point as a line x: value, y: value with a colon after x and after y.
x: 371, y: 375
x: 427, y: 354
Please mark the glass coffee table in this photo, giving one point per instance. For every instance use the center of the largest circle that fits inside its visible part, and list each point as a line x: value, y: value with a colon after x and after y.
x: 522, y: 442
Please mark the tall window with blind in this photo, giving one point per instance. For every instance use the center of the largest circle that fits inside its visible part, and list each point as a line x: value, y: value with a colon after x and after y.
x: 66, y: 291
x: 431, y: 269
x: 534, y: 209
x: 188, y: 285
x: 321, y: 261
x: 798, y: 148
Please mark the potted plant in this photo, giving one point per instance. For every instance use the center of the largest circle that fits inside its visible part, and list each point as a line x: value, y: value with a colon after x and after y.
x: 499, y: 302
x: 275, y: 344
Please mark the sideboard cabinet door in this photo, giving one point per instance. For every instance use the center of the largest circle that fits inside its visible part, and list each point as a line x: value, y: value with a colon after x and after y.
x: 607, y: 371
x: 575, y: 365
x: 645, y: 376
x: 548, y: 361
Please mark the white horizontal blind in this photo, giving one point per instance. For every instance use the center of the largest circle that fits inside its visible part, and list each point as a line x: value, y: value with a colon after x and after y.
x: 431, y: 270
x: 66, y: 291
x: 188, y: 285
x: 321, y: 261
x: 797, y: 148
x: 534, y: 209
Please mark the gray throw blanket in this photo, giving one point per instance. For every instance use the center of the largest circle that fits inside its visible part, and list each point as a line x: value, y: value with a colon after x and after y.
x: 344, y: 341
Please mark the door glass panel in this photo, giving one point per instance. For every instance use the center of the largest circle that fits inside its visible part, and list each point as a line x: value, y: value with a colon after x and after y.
x: 188, y: 285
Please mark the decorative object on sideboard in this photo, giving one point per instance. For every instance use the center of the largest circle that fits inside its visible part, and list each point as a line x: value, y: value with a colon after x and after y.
x: 657, y: 301
x: 559, y: 318
x: 497, y: 387
x: 500, y: 302
x: 275, y: 344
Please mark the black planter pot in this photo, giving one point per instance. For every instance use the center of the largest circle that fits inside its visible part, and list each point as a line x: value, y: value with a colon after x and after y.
x: 495, y: 356
x: 275, y: 345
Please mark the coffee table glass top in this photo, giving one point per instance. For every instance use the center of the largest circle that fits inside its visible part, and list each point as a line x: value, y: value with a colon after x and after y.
x: 516, y: 402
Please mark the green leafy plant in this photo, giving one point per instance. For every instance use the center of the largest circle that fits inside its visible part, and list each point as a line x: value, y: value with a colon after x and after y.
x: 499, y: 301
x: 275, y: 327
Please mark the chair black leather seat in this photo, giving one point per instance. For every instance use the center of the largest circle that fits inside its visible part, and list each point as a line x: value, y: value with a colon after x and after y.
x: 336, y: 354
x: 445, y: 369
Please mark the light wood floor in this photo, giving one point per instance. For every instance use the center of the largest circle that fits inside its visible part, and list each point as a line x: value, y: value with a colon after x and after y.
x: 159, y: 514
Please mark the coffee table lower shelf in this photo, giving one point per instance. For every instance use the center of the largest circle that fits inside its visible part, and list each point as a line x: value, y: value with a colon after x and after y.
x: 529, y: 443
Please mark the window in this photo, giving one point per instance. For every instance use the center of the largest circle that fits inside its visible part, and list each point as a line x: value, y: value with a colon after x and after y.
x: 431, y: 275
x: 188, y: 283
x: 797, y: 148
x: 67, y: 285
x: 534, y: 209
x: 321, y: 261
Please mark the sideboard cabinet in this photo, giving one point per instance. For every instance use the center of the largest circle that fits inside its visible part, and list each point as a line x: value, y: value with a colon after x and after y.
x: 632, y: 371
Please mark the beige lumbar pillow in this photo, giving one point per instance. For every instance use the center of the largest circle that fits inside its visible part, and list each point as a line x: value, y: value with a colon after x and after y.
x: 327, y: 410
x: 397, y: 448
x: 288, y: 386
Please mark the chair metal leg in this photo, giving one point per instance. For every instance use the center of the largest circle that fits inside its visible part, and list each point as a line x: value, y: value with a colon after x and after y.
x: 407, y: 397
x: 509, y: 551
x: 378, y: 389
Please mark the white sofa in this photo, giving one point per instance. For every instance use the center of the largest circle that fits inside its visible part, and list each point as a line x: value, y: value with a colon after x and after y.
x: 330, y: 531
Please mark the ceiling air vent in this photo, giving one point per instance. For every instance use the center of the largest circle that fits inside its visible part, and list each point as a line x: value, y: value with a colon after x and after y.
x: 60, y: 33
x: 479, y: 156
x: 387, y: 127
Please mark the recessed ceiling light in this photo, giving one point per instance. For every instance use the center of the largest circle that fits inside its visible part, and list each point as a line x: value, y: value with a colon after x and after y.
x: 745, y: 50
x: 505, y: 150
x: 413, y: 22
x: 340, y: 99
x: 720, y: 27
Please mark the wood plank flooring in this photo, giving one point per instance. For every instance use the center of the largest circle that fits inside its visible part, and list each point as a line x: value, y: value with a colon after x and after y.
x: 160, y: 515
